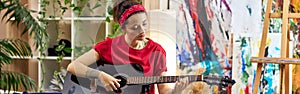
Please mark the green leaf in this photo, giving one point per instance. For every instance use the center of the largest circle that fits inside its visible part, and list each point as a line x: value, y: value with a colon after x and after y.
x: 68, y: 50
x: 26, y: 18
x: 10, y: 8
x: 18, y: 16
x: 18, y: 12
x: 107, y: 19
x: 59, y: 59
x: 72, y: 5
x: 116, y: 27
x: 67, y: 2
x: 78, y: 9
x: 4, y: 81
x: 1, y: 5
x: 8, y: 47
x: 9, y: 83
x: 10, y: 18
x: 27, y: 27
x: 88, y: 5
x: 64, y: 8
x: 111, y: 36
x: 51, y: 16
x: 4, y: 59
x: 97, y: 5
x: 15, y: 79
x: 15, y: 47
x: 33, y: 11
x: 60, y: 47
x: 59, y: 3
x: 110, y: 10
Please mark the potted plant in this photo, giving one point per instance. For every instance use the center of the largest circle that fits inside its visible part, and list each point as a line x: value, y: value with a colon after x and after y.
x: 17, y: 47
x: 12, y: 80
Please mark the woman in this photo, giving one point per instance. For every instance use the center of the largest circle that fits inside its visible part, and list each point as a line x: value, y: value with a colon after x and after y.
x: 130, y: 48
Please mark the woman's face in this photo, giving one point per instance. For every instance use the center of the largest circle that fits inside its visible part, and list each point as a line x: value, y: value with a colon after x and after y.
x: 136, y: 27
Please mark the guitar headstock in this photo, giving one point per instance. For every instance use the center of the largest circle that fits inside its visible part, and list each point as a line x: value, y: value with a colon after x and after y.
x: 221, y: 81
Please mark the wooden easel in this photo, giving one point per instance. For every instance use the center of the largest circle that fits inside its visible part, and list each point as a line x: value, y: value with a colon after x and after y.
x: 284, y: 68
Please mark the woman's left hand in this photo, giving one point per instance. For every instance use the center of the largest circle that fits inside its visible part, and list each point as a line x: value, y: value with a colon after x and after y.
x: 181, y: 85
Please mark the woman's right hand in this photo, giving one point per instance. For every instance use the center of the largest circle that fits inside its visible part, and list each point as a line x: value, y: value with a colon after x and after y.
x: 109, y: 82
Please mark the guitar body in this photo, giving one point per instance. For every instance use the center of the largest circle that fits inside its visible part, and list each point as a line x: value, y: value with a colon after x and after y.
x: 80, y: 85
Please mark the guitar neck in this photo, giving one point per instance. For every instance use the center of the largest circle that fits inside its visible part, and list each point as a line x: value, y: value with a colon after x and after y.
x: 161, y: 79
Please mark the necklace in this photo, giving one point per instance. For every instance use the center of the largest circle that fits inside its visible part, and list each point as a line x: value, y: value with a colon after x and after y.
x: 141, y: 44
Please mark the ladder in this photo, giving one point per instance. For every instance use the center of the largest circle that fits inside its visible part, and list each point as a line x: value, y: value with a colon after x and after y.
x: 284, y: 61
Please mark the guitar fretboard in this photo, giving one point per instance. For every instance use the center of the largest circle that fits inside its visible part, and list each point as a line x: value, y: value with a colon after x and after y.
x: 161, y: 79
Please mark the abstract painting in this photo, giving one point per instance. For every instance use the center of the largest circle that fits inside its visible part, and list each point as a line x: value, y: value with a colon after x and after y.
x: 246, y: 27
x: 202, y: 27
x: 246, y: 47
x: 244, y: 70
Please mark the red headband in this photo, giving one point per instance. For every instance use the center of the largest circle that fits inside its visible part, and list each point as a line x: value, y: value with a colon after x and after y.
x: 129, y: 11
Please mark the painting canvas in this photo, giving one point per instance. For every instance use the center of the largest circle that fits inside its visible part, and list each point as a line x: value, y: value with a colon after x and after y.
x: 247, y: 28
x: 247, y: 41
x: 244, y: 70
x: 201, y: 35
x: 245, y: 47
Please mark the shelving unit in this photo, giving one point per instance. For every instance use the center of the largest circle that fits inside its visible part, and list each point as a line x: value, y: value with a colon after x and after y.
x: 82, y: 31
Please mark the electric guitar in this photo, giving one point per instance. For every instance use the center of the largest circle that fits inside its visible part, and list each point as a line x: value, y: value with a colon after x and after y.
x: 133, y: 80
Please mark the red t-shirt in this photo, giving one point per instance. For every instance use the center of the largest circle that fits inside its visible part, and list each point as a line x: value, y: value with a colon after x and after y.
x: 116, y: 51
